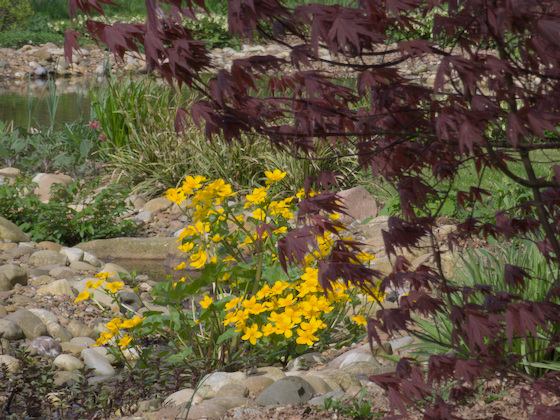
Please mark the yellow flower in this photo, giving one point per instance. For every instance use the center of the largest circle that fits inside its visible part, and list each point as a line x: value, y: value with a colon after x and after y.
x: 129, y: 323
x: 258, y: 196
x: 268, y: 329
x: 192, y: 183
x: 206, y: 302
x: 359, y: 319
x: 275, y: 176
x: 103, y: 275
x: 180, y: 266
x: 123, y: 343
x: 252, y: 333
x: 186, y: 247
x: 226, y: 276
x: 216, y: 238
x: 114, y: 287
x: 199, y: 259
x: 232, y: 304
x: 114, y: 325
x: 82, y: 296
x: 282, y: 229
x: 305, y: 336
x: 287, y: 301
x: 259, y: 214
x: 279, y: 287
x: 177, y: 196
x: 90, y: 284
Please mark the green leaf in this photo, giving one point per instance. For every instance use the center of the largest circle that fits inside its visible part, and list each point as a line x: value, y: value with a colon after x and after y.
x: 228, y: 334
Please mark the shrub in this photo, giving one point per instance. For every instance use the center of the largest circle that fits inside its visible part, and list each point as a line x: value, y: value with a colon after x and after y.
x: 74, y: 214
x: 256, y: 310
x: 13, y: 14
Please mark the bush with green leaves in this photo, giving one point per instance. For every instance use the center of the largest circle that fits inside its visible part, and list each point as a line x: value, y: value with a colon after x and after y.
x: 74, y: 214
x: 13, y: 13
x: 489, y: 275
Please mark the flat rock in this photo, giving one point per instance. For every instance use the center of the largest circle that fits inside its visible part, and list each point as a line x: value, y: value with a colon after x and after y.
x: 73, y: 254
x: 47, y: 257
x: 154, y: 248
x: 183, y: 396
x: 12, y: 232
x: 68, y: 362
x: 232, y: 390
x: 12, y: 275
x: 97, y: 362
x: 156, y: 205
x: 288, y: 391
x: 212, y: 382
x: 10, y: 330
x: 57, y: 331
x: 256, y: 384
x: 45, y: 315
x: 30, y: 324
x: 57, y: 287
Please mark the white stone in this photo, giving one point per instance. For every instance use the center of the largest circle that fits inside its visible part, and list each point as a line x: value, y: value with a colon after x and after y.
x: 97, y: 362
x: 91, y: 259
x: 44, y: 315
x: 73, y: 254
x: 211, y: 383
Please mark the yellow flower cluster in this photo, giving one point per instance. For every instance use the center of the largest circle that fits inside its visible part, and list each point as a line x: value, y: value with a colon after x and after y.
x: 114, y: 328
x: 112, y: 287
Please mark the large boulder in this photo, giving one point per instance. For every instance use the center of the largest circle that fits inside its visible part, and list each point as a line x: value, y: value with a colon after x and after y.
x: 45, y: 182
x: 31, y: 324
x: 360, y: 205
x: 46, y: 258
x: 10, y: 231
x: 10, y: 275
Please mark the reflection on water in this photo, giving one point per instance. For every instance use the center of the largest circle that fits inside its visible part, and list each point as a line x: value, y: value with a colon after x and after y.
x: 154, y: 269
x: 20, y: 100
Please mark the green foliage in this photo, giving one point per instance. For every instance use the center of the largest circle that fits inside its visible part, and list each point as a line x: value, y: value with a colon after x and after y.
x: 13, y: 13
x: 257, y: 310
x: 19, y: 38
x: 214, y: 30
x: 482, y: 267
x: 31, y: 392
x: 358, y: 409
x: 72, y: 150
x: 71, y: 216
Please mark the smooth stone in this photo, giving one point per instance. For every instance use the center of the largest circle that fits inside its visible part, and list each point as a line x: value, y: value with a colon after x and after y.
x: 344, y: 379
x: 359, y: 203
x: 115, y: 269
x: 30, y: 324
x: 53, y: 246
x: 57, y: 287
x: 45, y: 346
x: 97, y: 362
x: 212, y: 382
x: 131, y: 300
x: 92, y: 260
x: 13, y: 275
x: 306, y: 361
x: 183, y: 396
x: 232, y: 402
x: 57, y: 331
x: 318, y: 384
x: 10, y: 330
x: 47, y: 257
x: 256, y: 384
x: 68, y: 362
x: 401, y: 342
x: 144, y: 216
x: 272, y: 372
x: 206, y: 410
x: 83, y: 266
x: 10, y: 231
x: 320, y: 400
x: 45, y: 315
x: 80, y: 330
x: 45, y: 182
x: 63, y: 272
x: 11, y: 363
x: 83, y: 342
x: 233, y: 390
x: 157, y: 205
x: 73, y: 349
x: 65, y: 379
x: 154, y: 248
x: 10, y: 172
x: 73, y: 254
x: 19, y: 251
x: 288, y: 391
x: 3, y: 311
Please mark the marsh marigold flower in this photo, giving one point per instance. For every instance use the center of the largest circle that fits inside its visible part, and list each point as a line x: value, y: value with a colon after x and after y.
x: 206, y: 302
x: 252, y: 333
x: 275, y: 176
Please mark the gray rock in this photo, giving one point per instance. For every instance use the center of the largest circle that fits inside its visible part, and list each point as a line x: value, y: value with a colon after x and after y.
x: 84, y: 266
x: 233, y: 402
x: 57, y: 287
x: 154, y: 248
x: 44, y: 315
x: 10, y: 362
x: 256, y: 384
x: 306, y: 361
x: 97, y: 362
x: 92, y: 260
x: 243, y: 413
x: 318, y: 384
x: 10, y: 330
x: 206, y: 410
x: 40, y: 71
x: 19, y: 251
x: 47, y: 257
x: 80, y: 330
x: 363, y: 369
x: 68, y: 362
x: 233, y: 390
x: 272, y: 372
x: 30, y: 324
x: 131, y: 300
x: 11, y: 232
x: 73, y: 349
x: 401, y: 342
x: 287, y: 391
x: 3, y: 311
x: 344, y: 379
x: 73, y: 254
x: 58, y: 332
x: 44, y: 346
x: 320, y: 400
x: 12, y: 275
x: 145, y: 216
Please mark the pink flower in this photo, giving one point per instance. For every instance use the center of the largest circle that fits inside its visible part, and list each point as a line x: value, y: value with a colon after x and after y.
x: 101, y: 137
x: 94, y: 125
